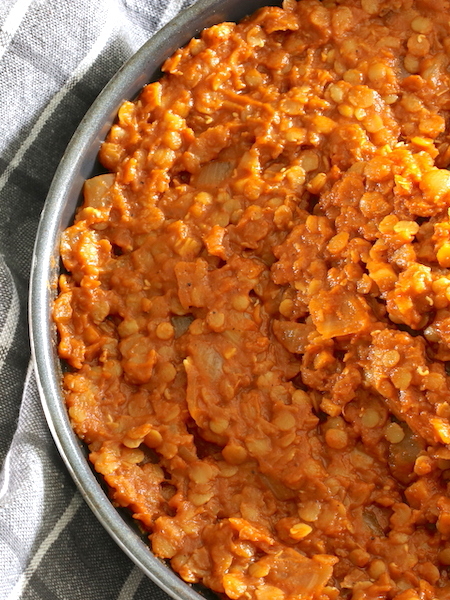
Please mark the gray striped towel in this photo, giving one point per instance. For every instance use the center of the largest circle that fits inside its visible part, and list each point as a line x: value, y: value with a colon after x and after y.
x: 55, y: 57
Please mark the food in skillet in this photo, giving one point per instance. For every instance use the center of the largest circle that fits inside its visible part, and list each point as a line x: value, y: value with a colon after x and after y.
x: 256, y: 305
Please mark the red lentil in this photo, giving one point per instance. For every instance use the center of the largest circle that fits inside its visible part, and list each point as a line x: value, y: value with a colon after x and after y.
x: 256, y: 307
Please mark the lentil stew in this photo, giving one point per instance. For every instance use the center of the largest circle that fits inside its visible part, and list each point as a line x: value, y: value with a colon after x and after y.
x: 256, y: 305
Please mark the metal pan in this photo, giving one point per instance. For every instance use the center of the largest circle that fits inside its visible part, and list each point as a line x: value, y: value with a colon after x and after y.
x: 78, y: 164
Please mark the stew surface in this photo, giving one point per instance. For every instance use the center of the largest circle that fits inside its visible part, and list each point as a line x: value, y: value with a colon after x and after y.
x: 256, y: 305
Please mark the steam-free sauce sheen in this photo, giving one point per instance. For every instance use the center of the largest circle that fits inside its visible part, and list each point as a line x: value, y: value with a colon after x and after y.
x: 256, y: 307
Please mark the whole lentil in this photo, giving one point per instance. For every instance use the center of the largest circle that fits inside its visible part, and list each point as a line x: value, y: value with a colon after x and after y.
x: 256, y: 305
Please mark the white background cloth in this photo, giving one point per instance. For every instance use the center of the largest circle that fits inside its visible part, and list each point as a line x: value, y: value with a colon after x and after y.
x: 55, y: 57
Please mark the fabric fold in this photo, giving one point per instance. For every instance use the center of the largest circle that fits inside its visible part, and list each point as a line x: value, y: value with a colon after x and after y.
x: 55, y: 57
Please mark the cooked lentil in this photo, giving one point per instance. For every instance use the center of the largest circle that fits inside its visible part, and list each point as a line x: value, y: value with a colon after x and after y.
x: 256, y: 307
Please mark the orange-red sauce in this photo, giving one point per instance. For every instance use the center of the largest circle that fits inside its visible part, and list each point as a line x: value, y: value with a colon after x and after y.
x: 257, y: 305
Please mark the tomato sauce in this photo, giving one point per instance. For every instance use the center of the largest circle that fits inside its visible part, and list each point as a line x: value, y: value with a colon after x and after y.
x: 256, y: 305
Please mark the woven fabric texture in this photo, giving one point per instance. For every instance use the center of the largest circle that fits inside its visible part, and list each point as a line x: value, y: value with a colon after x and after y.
x: 55, y: 57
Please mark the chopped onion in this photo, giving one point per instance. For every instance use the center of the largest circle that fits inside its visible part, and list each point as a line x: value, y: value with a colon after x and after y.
x: 214, y: 173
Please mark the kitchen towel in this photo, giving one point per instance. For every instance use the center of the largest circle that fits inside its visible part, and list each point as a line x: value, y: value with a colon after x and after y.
x: 55, y: 57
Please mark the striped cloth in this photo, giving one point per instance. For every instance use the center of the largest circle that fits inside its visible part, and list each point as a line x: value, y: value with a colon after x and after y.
x: 55, y: 56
